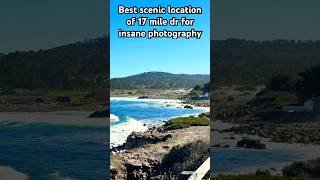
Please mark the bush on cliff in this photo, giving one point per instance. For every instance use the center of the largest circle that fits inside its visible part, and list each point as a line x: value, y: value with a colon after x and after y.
x: 184, y: 158
x: 185, y: 122
x: 309, y: 168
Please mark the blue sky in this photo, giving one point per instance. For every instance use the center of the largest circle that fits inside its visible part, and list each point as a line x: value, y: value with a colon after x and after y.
x: 134, y: 56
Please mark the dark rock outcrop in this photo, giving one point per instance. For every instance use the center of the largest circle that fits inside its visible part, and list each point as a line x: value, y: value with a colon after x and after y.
x: 250, y: 144
x: 100, y: 114
x: 188, y: 107
x: 137, y: 170
x: 138, y: 139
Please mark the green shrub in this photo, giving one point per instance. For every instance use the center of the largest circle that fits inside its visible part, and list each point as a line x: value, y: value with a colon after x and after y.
x: 303, y: 168
x: 185, y: 122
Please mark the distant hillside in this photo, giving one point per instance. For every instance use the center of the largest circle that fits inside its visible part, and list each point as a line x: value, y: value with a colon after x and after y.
x: 79, y: 65
x: 243, y: 62
x: 159, y: 80
x: 84, y: 65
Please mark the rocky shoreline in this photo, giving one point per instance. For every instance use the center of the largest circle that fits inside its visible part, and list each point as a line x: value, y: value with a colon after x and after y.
x: 223, y: 138
x: 246, y: 122
x: 143, y: 153
x: 250, y: 117
x: 307, y: 133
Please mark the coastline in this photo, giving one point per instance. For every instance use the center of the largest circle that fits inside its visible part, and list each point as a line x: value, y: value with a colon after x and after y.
x: 8, y: 173
x: 74, y: 118
x: 134, y: 125
x: 125, y: 159
x: 218, y: 137
x: 162, y: 101
x: 33, y: 107
x: 147, y: 157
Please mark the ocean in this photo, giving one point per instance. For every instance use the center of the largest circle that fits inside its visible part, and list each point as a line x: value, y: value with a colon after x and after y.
x: 131, y: 114
x: 68, y: 145
x: 50, y: 146
x: 246, y: 161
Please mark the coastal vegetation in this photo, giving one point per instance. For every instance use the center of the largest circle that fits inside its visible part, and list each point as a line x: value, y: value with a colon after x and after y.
x: 282, y: 90
x: 246, y: 62
x: 310, y: 168
x: 185, y: 122
x: 184, y: 158
x: 84, y: 65
x: 275, y: 110
x: 81, y: 65
x: 36, y: 80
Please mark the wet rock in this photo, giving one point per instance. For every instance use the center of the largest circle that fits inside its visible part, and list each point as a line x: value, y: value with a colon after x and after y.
x: 226, y: 146
x: 217, y: 145
x: 188, y: 107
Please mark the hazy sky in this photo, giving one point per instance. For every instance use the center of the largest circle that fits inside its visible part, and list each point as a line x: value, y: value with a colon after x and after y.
x: 134, y: 56
x: 35, y: 24
x: 266, y: 19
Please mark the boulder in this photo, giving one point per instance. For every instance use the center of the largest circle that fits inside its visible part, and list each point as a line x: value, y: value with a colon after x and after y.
x: 188, y: 107
x: 100, y: 114
x: 138, y: 139
x: 250, y: 144
x: 226, y: 146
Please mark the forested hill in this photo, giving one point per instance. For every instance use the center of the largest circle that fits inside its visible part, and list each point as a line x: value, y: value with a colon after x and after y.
x: 79, y: 65
x: 159, y: 80
x: 84, y: 65
x: 243, y: 62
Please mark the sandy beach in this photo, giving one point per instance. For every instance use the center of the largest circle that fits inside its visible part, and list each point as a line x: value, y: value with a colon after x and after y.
x: 78, y: 118
x: 8, y: 173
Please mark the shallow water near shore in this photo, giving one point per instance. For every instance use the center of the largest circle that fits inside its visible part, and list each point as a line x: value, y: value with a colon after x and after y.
x: 246, y: 161
x: 44, y: 150
x: 234, y: 160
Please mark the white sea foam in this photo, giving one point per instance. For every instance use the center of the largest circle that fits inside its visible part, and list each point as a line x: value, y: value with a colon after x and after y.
x: 175, y: 103
x: 144, y: 100
x: 114, y: 118
x: 120, y: 132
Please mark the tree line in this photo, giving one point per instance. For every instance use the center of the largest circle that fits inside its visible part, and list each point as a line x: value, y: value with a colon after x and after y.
x: 78, y: 65
x: 245, y: 62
